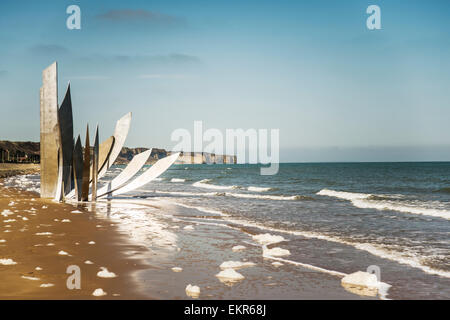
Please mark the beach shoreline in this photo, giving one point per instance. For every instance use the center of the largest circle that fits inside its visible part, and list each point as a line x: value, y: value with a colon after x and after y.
x: 40, y: 239
x: 155, y: 248
x: 13, y: 169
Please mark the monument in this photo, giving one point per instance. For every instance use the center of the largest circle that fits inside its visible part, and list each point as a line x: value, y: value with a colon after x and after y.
x: 70, y: 171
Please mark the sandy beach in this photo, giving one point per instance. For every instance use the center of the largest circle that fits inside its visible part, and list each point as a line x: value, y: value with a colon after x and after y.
x: 40, y: 239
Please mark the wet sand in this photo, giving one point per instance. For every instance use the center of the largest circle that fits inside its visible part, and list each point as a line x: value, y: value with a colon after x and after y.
x: 34, y: 231
x: 12, y: 169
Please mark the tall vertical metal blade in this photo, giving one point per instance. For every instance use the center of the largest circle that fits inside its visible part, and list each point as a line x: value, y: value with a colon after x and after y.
x: 66, y: 127
x: 78, y: 168
x: 86, y: 168
x: 95, y: 166
x: 49, y: 118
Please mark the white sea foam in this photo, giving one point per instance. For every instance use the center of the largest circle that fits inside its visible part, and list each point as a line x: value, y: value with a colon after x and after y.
x: 46, y: 285
x: 265, y: 197
x: 366, y: 280
x: 7, y: 262
x: 30, y: 278
x: 192, y: 291
x: 235, y: 265
x: 238, y: 248
x: 229, y: 275
x: 258, y: 189
x: 305, y: 265
x: 177, y: 180
x: 275, y: 252
x: 7, y: 212
x: 376, y: 250
x: 365, y: 201
x: 204, y: 184
x: 267, y: 238
x: 277, y: 264
x: 104, y: 273
x: 99, y: 292
x: 203, y: 209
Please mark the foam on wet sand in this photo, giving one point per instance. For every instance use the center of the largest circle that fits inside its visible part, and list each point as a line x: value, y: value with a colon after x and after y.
x: 26, y: 259
x: 192, y: 291
x: 104, y: 273
x: 229, y: 276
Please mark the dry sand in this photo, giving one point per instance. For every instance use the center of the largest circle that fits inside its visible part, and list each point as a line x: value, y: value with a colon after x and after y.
x: 34, y: 238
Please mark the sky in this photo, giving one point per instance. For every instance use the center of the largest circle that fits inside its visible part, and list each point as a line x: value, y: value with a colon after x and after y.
x: 335, y: 90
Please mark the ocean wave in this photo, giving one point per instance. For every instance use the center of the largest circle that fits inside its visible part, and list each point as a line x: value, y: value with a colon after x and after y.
x: 404, y: 257
x: 258, y: 189
x: 206, y: 185
x: 202, y: 209
x: 267, y: 197
x: 383, y: 202
x: 235, y: 195
x: 177, y: 180
x: 384, y: 252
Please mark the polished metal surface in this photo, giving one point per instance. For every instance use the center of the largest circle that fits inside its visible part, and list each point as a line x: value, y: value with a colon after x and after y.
x: 48, y: 120
x: 78, y: 168
x: 120, y: 134
x: 86, y: 168
x: 94, y: 167
x: 129, y: 172
x: 104, y: 152
x: 66, y: 128
x: 150, y: 174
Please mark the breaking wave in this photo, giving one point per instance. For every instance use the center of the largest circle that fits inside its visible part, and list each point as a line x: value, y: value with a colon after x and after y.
x: 206, y: 185
x: 388, y: 202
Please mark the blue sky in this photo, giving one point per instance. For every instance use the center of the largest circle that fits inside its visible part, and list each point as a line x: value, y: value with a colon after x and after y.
x: 336, y: 90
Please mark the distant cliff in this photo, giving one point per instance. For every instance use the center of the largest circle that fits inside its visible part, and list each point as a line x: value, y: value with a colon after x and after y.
x: 127, y: 154
x: 19, y: 151
x: 27, y: 151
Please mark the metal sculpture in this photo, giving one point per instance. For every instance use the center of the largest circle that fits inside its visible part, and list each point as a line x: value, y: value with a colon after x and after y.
x: 68, y: 171
x: 129, y: 172
x: 150, y: 174
x: 86, y: 168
